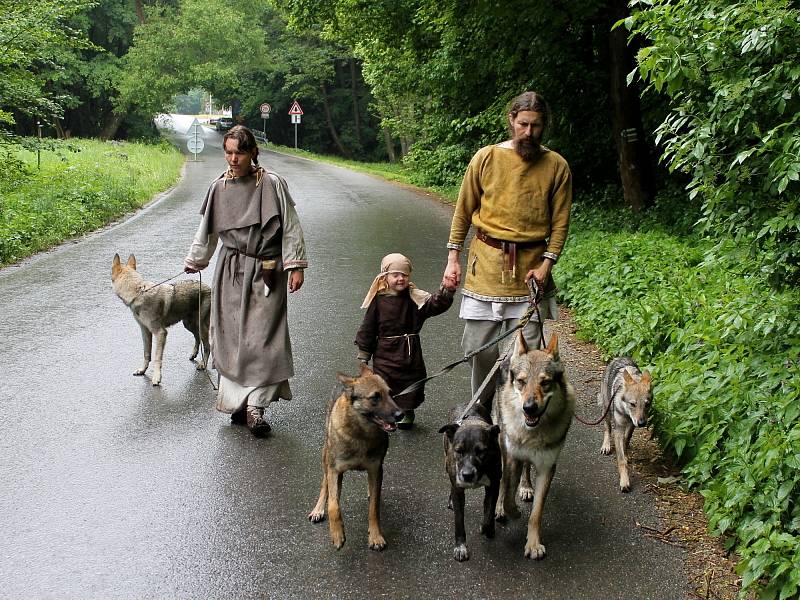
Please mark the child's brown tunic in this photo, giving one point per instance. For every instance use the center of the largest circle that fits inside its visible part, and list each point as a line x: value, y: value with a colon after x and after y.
x: 390, y: 333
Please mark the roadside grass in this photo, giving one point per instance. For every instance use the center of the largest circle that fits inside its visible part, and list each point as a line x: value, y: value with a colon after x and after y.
x: 82, y: 185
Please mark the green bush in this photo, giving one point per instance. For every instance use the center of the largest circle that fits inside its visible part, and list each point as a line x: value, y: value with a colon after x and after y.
x: 724, y: 351
x: 729, y: 69
x: 81, y: 186
x: 440, y: 166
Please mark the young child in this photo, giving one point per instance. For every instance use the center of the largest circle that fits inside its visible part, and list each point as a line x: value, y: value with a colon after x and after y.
x: 396, y: 310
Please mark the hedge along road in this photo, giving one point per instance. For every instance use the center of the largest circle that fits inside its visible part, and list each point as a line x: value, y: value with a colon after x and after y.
x: 115, y: 489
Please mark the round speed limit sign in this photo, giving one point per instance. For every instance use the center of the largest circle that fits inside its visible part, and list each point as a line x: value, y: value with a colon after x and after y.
x: 265, y: 108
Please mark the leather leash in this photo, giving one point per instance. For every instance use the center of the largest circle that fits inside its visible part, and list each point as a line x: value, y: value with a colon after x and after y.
x: 535, y: 296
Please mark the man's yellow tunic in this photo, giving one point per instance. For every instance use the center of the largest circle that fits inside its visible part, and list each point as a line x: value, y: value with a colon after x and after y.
x: 511, y: 200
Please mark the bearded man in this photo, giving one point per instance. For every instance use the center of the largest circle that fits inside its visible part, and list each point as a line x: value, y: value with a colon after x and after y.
x: 517, y: 195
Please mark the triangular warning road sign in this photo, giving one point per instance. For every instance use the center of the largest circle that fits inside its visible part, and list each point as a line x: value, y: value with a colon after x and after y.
x: 296, y: 110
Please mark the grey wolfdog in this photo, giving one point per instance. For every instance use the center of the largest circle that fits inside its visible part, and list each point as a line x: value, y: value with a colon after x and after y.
x: 628, y: 391
x: 534, y: 404
x: 156, y: 307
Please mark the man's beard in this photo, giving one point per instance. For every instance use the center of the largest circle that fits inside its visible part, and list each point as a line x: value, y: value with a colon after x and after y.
x: 528, y: 148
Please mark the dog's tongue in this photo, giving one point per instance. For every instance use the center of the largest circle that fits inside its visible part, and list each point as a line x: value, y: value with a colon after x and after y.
x: 389, y: 427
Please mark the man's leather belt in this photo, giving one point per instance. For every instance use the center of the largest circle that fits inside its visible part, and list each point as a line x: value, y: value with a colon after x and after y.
x: 495, y: 243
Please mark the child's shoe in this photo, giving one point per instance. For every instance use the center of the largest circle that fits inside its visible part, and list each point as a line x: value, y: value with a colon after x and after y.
x: 407, y: 422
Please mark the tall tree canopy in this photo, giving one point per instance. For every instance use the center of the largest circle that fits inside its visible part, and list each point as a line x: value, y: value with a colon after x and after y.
x: 36, y: 45
x: 443, y: 71
x: 731, y: 71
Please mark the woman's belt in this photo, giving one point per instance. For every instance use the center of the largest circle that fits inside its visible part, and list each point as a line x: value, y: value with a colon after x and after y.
x: 268, y: 268
x: 509, y: 252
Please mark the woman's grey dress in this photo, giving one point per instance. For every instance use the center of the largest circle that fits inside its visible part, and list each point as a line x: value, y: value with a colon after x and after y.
x: 255, y: 218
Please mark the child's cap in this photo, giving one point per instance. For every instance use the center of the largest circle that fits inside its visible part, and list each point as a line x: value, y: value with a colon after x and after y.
x: 396, y: 263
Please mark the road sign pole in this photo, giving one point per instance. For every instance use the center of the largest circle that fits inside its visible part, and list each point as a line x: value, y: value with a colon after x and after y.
x: 295, y: 136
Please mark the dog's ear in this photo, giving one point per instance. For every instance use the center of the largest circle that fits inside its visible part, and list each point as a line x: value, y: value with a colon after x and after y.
x: 450, y: 429
x: 627, y: 377
x: 494, y: 431
x: 522, y: 346
x: 364, y: 370
x: 646, y: 379
x: 345, y: 380
x: 503, y: 372
x: 552, y: 346
x: 132, y: 262
x: 116, y: 261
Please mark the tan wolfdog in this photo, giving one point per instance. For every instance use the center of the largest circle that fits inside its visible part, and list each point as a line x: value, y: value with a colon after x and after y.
x: 534, y: 404
x: 628, y: 391
x: 156, y: 307
x: 356, y: 439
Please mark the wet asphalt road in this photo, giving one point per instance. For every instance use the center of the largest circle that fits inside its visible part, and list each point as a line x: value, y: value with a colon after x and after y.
x: 112, y: 488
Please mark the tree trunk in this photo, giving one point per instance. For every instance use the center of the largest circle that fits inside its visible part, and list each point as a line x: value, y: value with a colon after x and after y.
x: 387, y: 138
x: 405, y: 144
x: 353, y: 90
x: 140, y: 11
x: 635, y: 168
x: 111, y: 126
x: 331, y: 128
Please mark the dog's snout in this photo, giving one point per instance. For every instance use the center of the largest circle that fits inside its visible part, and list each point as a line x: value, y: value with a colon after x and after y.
x: 397, y: 415
x: 641, y: 422
x: 468, y: 473
x: 530, y: 408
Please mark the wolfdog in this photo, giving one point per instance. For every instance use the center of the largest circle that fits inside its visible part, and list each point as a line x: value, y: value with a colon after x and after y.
x: 157, y: 307
x: 472, y: 459
x: 628, y: 391
x: 357, y: 423
x: 534, y: 405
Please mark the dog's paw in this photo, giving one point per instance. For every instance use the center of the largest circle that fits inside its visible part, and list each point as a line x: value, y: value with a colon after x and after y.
x: 460, y: 553
x: 605, y: 449
x: 624, y: 485
x: 316, y: 516
x: 535, y: 551
x: 525, y: 493
x: 338, y: 538
x: 139, y: 372
x: 377, y: 542
x: 200, y: 366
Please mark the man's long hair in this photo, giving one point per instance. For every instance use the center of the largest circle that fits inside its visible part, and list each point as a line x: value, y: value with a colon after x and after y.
x: 532, y: 101
x: 245, y: 138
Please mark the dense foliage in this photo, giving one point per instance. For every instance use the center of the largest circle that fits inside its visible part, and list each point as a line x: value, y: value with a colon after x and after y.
x: 35, y: 38
x: 443, y: 72
x: 723, y: 348
x: 732, y: 73
x: 81, y: 186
